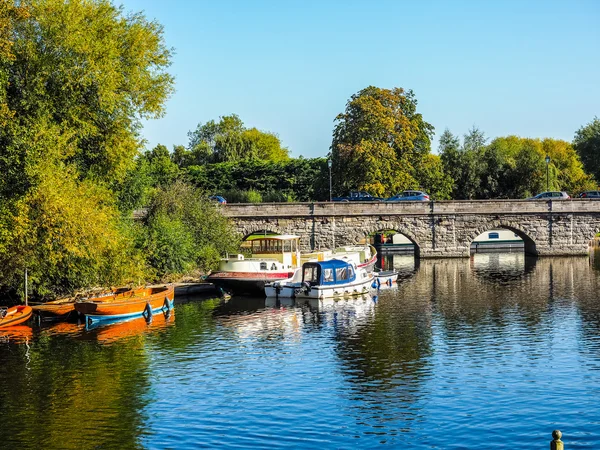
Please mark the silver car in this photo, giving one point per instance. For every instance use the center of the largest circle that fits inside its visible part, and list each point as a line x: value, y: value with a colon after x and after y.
x: 551, y: 195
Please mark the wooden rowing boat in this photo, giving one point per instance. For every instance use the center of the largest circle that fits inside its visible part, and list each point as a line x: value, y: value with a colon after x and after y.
x: 140, y: 301
x: 55, y: 309
x: 15, y: 315
x: 61, y: 308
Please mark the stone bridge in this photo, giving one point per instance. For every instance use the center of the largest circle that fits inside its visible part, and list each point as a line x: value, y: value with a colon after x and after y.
x: 437, y: 229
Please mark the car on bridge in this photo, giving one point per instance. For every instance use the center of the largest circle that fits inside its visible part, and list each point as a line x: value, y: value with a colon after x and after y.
x: 358, y: 196
x: 409, y: 196
x: 551, y: 195
x: 589, y: 194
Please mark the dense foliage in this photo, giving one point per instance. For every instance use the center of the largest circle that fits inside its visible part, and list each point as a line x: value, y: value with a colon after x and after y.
x: 229, y: 141
x: 76, y: 78
x: 291, y: 180
x: 587, y: 145
x: 510, y: 167
x: 382, y: 145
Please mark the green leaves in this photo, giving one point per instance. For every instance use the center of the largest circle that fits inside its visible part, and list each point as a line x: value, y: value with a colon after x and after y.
x: 229, y: 141
x: 76, y: 77
x: 587, y: 145
x: 378, y: 141
x: 185, y: 232
x: 510, y: 167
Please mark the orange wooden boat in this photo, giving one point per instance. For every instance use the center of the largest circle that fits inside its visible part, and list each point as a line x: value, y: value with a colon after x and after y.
x: 55, y: 309
x: 140, y: 301
x: 15, y: 315
x: 61, y: 308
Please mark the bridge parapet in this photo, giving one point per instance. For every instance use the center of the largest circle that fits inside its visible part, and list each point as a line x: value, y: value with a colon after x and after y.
x: 419, y: 208
x: 438, y: 229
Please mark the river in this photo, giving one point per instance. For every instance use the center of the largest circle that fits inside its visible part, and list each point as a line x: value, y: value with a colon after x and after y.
x: 492, y: 352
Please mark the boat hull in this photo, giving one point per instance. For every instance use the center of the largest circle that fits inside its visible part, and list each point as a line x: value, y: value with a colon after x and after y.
x: 246, y: 282
x: 357, y: 288
x: 56, y: 309
x: 15, y: 316
x: 146, y: 301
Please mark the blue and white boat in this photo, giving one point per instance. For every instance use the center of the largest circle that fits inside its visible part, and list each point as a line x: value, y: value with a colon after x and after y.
x: 333, y: 278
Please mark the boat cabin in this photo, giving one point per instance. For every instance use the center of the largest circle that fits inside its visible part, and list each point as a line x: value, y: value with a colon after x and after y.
x: 284, y: 248
x: 330, y: 272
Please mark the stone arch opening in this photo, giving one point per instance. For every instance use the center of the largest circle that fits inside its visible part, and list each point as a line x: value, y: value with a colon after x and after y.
x: 249, y: 234
x: 396, y: 249
x: 498, y: 237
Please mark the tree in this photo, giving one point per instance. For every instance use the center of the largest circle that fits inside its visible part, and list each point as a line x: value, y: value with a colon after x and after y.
x: 587, y: 145
x: 378, y: 141
x: 76, y: 78
x: 229, y: 141
x: 185, y: 232
x: 464, y: 163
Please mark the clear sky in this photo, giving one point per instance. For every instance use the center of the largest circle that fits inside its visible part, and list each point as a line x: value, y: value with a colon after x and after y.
x: 530, y: 68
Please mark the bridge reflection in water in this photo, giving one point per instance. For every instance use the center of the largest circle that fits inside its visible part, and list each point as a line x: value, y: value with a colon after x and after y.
x: 493, y: 345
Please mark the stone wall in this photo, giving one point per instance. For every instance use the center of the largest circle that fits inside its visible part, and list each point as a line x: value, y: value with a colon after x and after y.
x: 438, y: 229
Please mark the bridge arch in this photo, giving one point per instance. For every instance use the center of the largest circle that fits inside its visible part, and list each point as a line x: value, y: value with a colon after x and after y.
x: 266, y: 231
x: 249, y: 229
x: 529, y: 243
x: 391, y: 226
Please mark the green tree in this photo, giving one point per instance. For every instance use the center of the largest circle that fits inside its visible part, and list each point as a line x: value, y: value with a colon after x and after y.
x: 76, y: 78
x: 464, y: 163
x: 378, y: 141
x: 186, y: 232
x: 229, y: 141
x: 587, y: 145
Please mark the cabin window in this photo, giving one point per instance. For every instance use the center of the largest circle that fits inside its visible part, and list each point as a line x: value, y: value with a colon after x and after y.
x: 328, y: 275
x: 341, y: 273
x: 310, y: 274
x: 493, y: 236
x: 350, y: 272
x: 263, y: 266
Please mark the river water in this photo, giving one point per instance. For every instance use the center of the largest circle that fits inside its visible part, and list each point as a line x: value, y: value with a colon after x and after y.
x: 491, y: 352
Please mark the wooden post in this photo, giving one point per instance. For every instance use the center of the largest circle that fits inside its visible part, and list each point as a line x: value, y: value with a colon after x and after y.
x: 25, y: 286
x: 556, y: 443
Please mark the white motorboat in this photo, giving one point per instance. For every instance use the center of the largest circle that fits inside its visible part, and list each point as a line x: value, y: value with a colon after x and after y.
x: 334, y: 278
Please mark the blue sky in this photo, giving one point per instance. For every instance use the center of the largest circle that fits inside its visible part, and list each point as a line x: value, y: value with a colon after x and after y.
x: 530, y: 68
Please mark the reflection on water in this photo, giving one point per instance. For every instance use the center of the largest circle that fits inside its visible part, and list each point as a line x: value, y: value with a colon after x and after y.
x: 501, y: 347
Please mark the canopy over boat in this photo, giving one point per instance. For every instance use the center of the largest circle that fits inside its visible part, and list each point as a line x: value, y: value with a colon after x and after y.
x: 328, y: 273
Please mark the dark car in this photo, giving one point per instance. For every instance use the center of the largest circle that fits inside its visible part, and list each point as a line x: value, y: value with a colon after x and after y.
x: 551, y: 195
x: 409, y: 196
x: 218, y: 199
x: 357, y: 197
x: 589, y: 194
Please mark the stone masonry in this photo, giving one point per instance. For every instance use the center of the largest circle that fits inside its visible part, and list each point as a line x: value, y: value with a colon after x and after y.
x: 438, y: 229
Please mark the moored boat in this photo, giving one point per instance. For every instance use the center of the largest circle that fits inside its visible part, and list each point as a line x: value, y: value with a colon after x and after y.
x: 334, y: 278
x: 277, y: 257
x: 61, y: 308
x: 111, y: 307
x: 55, y: 309
x: 15, y: 315
x: 272, y: 258
x: 385, y: 278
